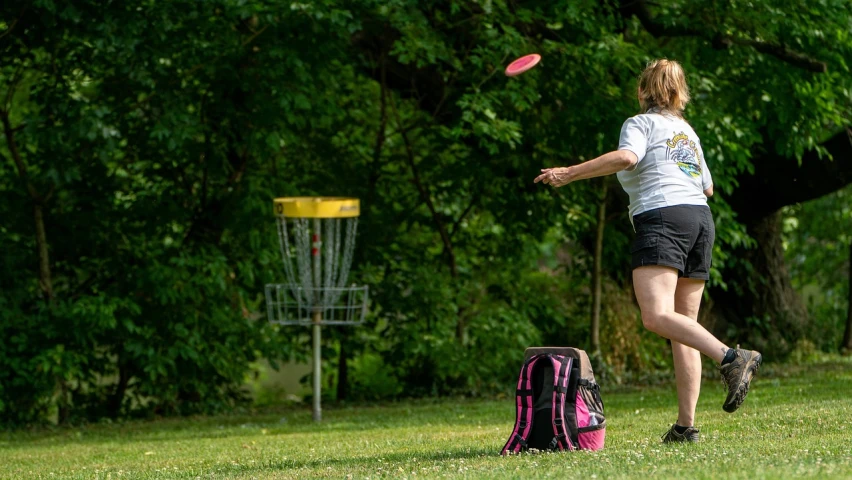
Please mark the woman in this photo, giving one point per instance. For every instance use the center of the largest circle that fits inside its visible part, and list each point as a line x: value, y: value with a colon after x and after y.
x: 660, y: 165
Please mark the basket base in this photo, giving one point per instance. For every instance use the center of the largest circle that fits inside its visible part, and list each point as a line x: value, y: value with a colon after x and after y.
x: 288, y: 304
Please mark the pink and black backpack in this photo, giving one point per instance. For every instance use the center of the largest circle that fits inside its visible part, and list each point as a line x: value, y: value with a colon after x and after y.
x: 559, y: 404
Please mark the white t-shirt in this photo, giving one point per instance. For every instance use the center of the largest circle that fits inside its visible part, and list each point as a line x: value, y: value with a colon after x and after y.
x: 671, y: 169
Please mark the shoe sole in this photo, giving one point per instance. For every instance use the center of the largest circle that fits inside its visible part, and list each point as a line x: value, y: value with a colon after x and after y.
x: 684, y: 440
x: 742, y: 391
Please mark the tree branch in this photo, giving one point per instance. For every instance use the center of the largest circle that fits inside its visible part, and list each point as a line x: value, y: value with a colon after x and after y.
x: 846, y: 345
x: 595, y: 324
x: 424, y: 194
x: 783, y: 53
x: 254, y: 35
x: 639, y: 8
x: 467, y: 210
x: 16, y: 156
x: 375, y: 160
x: 778, y: 182
x: 13, y: 84
x: 45, y: 278
x: 15, y: 22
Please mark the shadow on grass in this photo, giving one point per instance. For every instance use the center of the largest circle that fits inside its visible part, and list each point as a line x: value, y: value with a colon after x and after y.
x: 404, y: 414
x: 382, y: 460
x: 212, y: 428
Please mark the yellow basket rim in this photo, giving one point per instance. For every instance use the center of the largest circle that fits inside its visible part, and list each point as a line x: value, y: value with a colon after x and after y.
x: 317, y: 207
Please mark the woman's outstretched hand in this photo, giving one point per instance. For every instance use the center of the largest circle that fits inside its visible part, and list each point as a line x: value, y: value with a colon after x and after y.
x: 556, y: 177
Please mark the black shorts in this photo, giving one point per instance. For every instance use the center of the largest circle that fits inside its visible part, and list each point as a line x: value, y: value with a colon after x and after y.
x: 680, y: 237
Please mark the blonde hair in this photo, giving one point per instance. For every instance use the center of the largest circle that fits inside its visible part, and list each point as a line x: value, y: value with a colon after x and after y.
x: 662, y: 85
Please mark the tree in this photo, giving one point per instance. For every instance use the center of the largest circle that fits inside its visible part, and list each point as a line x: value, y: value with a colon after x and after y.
x: 597, y: 272
x: 846, y: 345
x: 148, y: 142
x: 767, y: 310
x: 816, y: 239
x: 144, y: 146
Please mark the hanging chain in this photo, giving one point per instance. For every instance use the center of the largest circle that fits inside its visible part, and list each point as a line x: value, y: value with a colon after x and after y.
x: 348, y: 249
x: 284, y: 245
x: 329, y: 226
x: 303, y: 258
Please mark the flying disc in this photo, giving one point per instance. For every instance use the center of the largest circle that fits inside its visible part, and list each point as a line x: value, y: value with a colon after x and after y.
x: 522, y: 64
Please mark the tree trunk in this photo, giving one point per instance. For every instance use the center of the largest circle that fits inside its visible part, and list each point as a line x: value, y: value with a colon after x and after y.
x: 44, y: 276
x: 760, y: 309
x: 437, y: 218
x: 846, y: 346
x: 342, y: 373
x: 596, y: 273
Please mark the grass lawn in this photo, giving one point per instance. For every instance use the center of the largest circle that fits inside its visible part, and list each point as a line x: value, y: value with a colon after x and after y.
x: 794, y: 424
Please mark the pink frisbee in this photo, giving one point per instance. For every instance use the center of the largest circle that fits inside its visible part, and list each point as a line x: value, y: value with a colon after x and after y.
x: 522, y: 64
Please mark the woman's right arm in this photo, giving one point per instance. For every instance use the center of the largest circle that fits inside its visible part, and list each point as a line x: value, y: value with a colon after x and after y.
x: 606, y: 164
x: 632, y: 145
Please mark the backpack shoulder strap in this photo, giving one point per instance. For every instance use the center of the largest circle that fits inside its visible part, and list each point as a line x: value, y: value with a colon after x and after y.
x: 524, y: 414
x: 561, y: 374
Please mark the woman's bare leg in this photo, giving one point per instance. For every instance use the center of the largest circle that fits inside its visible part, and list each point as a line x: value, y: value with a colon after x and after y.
x: 687, y: 360
x: 655, y: 288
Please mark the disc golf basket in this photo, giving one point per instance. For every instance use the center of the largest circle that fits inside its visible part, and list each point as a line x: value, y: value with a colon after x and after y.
x: 317, y: 238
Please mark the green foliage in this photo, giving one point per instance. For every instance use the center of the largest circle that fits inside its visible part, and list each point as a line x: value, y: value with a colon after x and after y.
x: 140, y: 156
x: 818, y: 235
x: 372, y: 379
x: 153, y: 138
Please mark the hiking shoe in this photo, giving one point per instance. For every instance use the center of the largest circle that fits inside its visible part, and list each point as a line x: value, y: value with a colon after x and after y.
x: 690, y: 435
x: 737, y: 376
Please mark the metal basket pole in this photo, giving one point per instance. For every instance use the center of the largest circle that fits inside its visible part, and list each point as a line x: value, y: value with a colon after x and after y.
x: 316, y: 317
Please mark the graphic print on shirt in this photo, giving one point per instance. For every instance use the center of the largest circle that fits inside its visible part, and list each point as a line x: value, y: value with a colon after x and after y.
x: 685, y: 154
